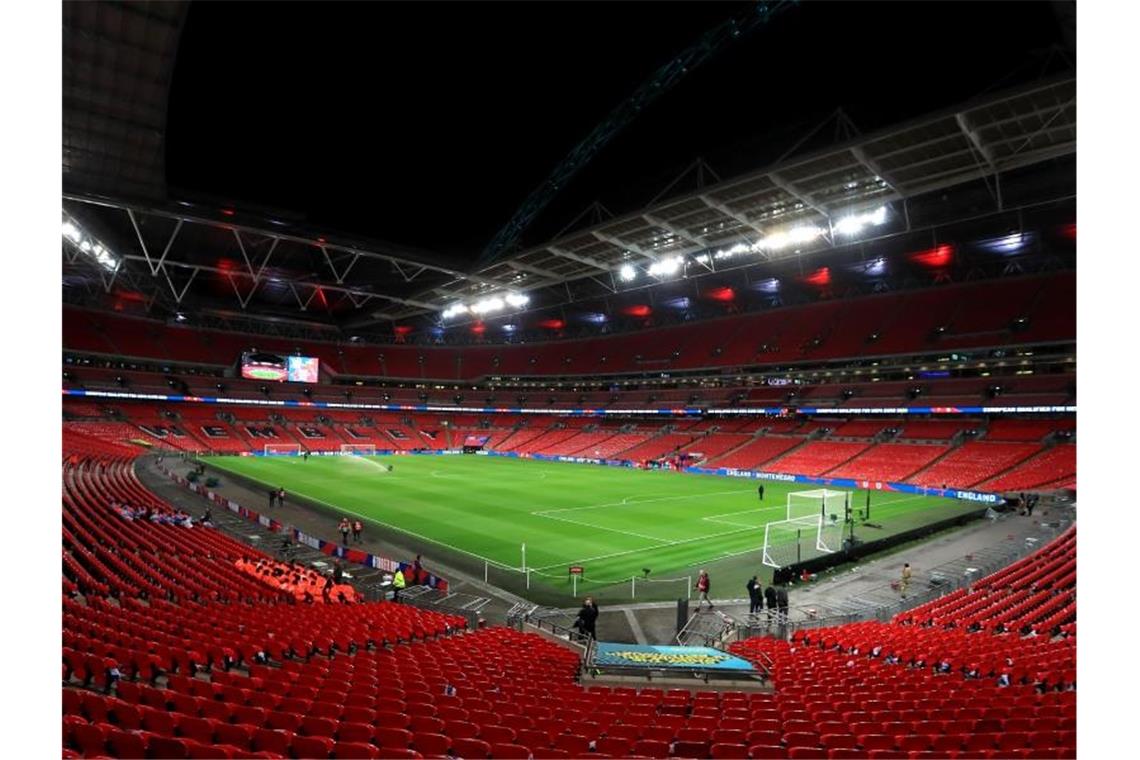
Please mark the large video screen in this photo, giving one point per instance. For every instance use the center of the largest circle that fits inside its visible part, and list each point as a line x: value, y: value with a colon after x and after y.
x: 293, y: 369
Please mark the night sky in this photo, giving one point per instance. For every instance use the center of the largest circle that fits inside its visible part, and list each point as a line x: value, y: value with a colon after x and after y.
x: 380, y: 119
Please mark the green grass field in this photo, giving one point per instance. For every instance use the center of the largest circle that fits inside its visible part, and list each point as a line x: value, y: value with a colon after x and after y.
x: 473, y: 510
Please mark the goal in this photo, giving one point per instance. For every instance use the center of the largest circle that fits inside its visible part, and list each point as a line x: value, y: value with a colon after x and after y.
x: 819, y: 502
x: 282, y: 449
x: 358, y: 449
x: 814, y: 520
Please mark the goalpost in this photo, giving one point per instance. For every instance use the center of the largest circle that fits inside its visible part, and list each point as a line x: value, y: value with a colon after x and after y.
x: 819, y: 513
x: 282, y: 449
x: 358, y: 449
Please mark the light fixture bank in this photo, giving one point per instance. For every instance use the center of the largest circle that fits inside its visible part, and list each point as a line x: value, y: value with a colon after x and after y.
x: 488, y: 305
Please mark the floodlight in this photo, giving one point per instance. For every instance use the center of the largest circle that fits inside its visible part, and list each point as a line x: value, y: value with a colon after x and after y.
x: 627, y: 272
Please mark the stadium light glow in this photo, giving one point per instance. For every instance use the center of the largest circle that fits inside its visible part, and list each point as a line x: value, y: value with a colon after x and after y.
x: 853, y: 224
x: 795, y: 236
x: 487, y: 305
x: 627, y: 273
x: 1007, y: 244
x: 454, y: 310
x: 665, y: 267
x: 76, y: 236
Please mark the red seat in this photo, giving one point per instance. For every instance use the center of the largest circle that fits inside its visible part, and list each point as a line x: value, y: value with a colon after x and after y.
x: 284, y: 721
x: 497, y: 734
x: 127, y: 745
x: 470, y: 748
x: 166, y: 747
x: 125, y: 716
x: 319, y: 747
x: 651, y: 748
x: 573, y: 743
x: 801, y: 739
x: 271, y: 740
x: 510, y: 752
x: 914, y: 743
x: 429, y: 743
x: 837, y: 741
x: 312, y: 726
x: 355, y: 751
x: 614, y: 745
x: 90, y: 739
x: 426, y: 724
x: 209, y: 751
x: 461, y: 729
x: 690, y: 749
x: 729, y: 736
x: 767, y: 752
x: 393, y: 738
x: 240, y: 736
x: 727, y: 750
x: 197, y: 729
x: 354, y: 732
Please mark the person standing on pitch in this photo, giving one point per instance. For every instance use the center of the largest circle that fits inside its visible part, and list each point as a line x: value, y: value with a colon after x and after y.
x: 760, y: 491
x: 755, y: 598
x: 703, y: 586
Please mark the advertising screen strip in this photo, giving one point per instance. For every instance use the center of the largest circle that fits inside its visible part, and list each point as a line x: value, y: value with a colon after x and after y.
x: 687, y: 412
x: 657, y: 657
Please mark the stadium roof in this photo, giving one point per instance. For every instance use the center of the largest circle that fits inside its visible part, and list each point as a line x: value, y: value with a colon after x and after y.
x: 117, y: 63
x: 215, y: 259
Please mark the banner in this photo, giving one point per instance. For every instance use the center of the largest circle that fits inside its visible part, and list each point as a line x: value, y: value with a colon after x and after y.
x: 650, y: 657
x: 769, y: 411
x: 980, y: 497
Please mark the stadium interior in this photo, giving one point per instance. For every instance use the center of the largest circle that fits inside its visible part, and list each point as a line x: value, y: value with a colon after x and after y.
x: 889, y: 315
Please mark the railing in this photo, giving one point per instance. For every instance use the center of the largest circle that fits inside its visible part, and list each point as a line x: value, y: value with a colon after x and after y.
x: 884, y: 602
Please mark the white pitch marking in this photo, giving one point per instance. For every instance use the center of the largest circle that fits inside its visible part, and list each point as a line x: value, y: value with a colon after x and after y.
x: 626, y: 502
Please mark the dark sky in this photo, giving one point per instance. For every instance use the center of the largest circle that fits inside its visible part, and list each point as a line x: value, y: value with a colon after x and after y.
x: 382, y: 119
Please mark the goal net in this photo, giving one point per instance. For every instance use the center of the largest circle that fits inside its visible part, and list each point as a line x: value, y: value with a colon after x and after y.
x: 814, y: 526
x: 358, y: 449
x: 282, y: 449
x: 819, y: 502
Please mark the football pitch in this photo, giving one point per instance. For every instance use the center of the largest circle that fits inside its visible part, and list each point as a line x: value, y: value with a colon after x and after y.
x: 477, y: 512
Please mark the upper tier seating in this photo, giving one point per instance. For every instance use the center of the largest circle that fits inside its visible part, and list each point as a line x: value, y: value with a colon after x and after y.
x: 892, y: 462
x: 758, y: 452
x: 716, y: 444
x: 816, y: 457
x: 1057, y: 463
x: 935, y: 430
x: 1026, y: 430
x: 974, y: 462
x: 657, y: 447
x: 973, y: 313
